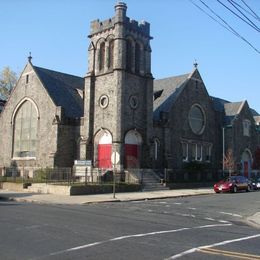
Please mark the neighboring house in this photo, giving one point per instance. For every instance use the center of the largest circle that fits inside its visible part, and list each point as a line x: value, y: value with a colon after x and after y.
x: 118, y: 109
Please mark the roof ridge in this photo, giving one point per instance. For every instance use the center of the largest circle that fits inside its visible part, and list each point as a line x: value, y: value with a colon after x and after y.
x: 182, y: 75
x: 59, y: 72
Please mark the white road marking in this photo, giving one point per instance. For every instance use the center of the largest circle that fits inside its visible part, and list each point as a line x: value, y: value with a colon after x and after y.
x: 186, y: 215
x: 231, y: 214
x: 193, y: 250
x: 211, y: 219
x: 192, y: 208
x: 223, y: 221
x: 177, y: 203
x: 135, y: 235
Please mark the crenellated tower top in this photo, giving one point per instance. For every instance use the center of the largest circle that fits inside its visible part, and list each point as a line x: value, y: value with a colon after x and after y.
x: 141, y: 27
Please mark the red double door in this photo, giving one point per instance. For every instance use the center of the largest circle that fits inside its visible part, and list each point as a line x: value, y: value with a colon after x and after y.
x: 246, y: 168
x: 104, y: 156
x: 131, y: 156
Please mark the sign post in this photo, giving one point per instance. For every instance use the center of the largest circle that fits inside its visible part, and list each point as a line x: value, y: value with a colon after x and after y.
x: 114, y: 159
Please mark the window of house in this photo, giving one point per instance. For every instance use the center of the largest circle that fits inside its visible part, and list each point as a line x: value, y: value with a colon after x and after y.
x: 199, y: 152
x: 111, y: 54
x: 207, y: 153
x: 25, y: 131
x: 196, y: 152
x: 197, y: 119
x: 184, y: 151
x: 193, y: 152
x: 246, y: 127
x: 129, y: 51
x: 156, y: 148
x: 137, y: 58
x: 102, y: 56
x: 27, y: 79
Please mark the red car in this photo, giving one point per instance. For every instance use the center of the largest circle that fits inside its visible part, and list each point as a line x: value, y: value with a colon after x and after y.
x: 233, y: 184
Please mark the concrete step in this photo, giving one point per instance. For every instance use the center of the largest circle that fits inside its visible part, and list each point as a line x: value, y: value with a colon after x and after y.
x: 152, y: 182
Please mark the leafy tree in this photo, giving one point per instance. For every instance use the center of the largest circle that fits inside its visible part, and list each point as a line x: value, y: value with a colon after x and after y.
x: 229, y: 162
x: 8, y: 79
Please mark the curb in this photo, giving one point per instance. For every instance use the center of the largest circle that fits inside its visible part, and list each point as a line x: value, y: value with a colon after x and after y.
x: 254, y: 220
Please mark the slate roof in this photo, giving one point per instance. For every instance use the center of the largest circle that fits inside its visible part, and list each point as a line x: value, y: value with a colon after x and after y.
x: 219, y: 103
x: 166, y: 92
x: 231, y: 109
x: 63, y: 89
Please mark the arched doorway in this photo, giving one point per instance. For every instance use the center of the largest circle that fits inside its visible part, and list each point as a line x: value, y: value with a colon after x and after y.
x: 103, y: 141
x: 246, y: 163
x: 133, y: 142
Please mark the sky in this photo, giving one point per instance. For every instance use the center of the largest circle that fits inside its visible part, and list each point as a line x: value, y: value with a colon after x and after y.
x: 56, y: 34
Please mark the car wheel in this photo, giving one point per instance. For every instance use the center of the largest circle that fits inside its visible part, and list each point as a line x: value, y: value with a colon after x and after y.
x: 235, y: 189
x: 248, y: 188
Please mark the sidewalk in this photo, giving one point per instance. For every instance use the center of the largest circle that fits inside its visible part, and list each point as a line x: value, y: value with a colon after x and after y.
x: 119, y: 197
x: 99, y: 198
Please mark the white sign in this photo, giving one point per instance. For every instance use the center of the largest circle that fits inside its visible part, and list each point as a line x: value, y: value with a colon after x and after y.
x: 115, y: 157
x: 82, y: 162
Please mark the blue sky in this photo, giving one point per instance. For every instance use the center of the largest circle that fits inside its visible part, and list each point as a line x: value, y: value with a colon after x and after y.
x: 56, y: 31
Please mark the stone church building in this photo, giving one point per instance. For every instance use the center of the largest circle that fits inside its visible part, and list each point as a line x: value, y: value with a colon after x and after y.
x: 52, y: 119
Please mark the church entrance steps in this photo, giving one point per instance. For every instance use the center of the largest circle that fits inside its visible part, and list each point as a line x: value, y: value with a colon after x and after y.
x: 149, y: 179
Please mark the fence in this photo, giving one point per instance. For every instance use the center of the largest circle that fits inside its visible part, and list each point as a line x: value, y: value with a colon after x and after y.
x: 58, y: 175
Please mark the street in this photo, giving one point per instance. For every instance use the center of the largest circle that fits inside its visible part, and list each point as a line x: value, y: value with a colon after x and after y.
x: 196, y: 227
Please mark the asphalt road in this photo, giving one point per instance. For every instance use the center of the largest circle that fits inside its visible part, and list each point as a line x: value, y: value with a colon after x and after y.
x: 199, y: 227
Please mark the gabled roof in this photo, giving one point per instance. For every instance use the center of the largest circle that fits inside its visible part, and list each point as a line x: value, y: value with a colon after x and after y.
x: 230, y: 109
x: 166, y: 92
x: 219, y: 103
x: 233, y: 108
x: 63, y: 89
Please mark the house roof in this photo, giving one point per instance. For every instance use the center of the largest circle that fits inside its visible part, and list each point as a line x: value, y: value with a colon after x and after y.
x: 166, y: 92
x: 64, y: 90
x: 231, y: 109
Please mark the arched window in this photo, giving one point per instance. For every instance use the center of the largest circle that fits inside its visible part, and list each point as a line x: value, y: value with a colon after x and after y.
x: 102, y: 56
x: 111, y: 54
x: 156, y: 148
x: 129, y: 54
x: 137, y: 58
x: 25, y: 130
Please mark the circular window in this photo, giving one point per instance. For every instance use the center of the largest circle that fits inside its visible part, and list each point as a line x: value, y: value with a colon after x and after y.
x: 197, y: 119
x: 103, y: 101
x: 133, y: 101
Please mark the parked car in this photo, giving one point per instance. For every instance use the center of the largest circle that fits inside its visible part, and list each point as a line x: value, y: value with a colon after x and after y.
x: 233, y: 184
x: 255, y: 183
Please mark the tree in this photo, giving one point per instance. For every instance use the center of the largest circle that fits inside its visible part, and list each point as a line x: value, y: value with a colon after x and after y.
x: 8, y: 79
x: 229, y: 162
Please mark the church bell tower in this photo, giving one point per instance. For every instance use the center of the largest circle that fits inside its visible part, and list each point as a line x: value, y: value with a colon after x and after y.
x: 118, y: 98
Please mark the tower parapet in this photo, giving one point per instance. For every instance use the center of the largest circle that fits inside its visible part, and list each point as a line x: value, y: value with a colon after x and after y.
x: 98, y: 26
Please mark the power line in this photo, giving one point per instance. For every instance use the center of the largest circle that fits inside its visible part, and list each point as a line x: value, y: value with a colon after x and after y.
x: 241, y: 7
x: 210, y: 16
x: 252, y: 24
x: 250, y: 9
x: 226, y: 26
